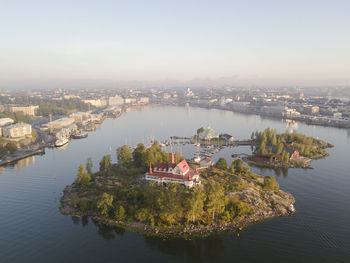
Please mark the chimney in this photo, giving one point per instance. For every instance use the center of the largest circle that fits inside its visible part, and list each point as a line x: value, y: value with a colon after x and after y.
x: 172, y: 158
x: 150, y: 168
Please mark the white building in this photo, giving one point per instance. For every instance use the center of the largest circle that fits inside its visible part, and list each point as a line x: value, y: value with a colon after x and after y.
x: 173, y: 173
x: 130, y: 100
x: 17, y: 130
x: 144, y: 100
x: 115, y: 101
x: 96, y: 102
x: 208, y: 134
x: 5, y: 121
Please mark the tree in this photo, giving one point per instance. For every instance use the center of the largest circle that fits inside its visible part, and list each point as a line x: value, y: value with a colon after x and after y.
x: 124, y: 156
x: 194, y: 204
x: 104, y: 204
x: 285, y: 157
x: 238, y: 165
x: 200, y: 130
x: 270, y: 183
x: 279, y: 148
x: 215, y: 203
x: 252, y: 136
x: 221, y: 164
x: 105, y: 163
x: 137, y: 155
x: 83, y: 177
x: 262, y: 148
x: 89, y: 165
x: 11, y: 147
x: 119, y: 213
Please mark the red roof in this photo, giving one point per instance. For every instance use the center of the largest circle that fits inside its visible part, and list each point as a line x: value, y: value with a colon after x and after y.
x: 187, y: 177
x: 207, y: 159
x: 163, y: 166
x: 183, y: 166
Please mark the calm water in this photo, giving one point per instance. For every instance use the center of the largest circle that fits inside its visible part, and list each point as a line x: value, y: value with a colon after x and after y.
x: 33, y: 230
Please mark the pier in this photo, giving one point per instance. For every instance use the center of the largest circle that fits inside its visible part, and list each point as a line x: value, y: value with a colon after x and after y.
x: 21, y: 155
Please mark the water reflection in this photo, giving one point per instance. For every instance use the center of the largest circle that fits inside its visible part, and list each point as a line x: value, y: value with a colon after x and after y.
x: 210, y: 248
x: 24, y: 162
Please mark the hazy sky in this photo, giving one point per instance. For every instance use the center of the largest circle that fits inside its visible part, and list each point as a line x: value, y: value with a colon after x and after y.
x: 250, y: 42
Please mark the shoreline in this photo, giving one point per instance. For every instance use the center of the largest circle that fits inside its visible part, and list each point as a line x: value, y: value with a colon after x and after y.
x: 182, y: 229
x: 192, y: 230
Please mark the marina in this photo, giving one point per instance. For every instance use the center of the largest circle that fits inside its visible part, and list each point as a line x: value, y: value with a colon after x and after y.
x: 39, y: 185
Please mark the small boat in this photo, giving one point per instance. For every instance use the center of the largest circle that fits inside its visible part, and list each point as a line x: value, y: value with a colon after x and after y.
x: 197, y: 144
x: 197, y: 159
x: 62, y: 141
x: 79, y: 135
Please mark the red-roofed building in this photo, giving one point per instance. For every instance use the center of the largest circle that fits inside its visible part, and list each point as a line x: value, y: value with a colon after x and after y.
x: 173, y: 173
x: 206, y: 162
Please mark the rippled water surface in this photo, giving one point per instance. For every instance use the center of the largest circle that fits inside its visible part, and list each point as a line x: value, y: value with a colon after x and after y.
x: 33, y: 230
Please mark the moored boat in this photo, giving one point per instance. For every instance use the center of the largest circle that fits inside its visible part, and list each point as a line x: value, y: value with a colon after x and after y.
x: 79, y: 135
x: 62, y: 141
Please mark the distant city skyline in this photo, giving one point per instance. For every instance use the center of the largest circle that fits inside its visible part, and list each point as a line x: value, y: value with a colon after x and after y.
x: 74, y: 43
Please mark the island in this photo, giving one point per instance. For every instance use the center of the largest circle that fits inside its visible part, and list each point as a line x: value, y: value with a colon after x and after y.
x: 181, y: 199
x: 285, y: 150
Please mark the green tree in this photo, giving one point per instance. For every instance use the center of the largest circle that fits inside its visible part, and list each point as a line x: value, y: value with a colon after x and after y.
x: 83, y: 177
x: 11, y: 147
x: 105, y: 163
x: 200, y: 130
x: 215, y: 203
x: 279, y: 148
x: 285, y: 157
x: 262, y: 148
x: 119, y: 213
x: 194, y: 204
x: 252, y: 136
x: 270, y: 183
x: 238, y: 165
x: 104, y: 204
x: 89, y: 165
x: 124, y: 156
x: 221, y: 164
x: 137, y: 155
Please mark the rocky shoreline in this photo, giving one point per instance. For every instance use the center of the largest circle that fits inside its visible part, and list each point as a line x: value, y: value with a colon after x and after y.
x: 143, y: 228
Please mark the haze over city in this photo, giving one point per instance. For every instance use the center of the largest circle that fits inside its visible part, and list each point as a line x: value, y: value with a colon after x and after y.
x: 172, y: 43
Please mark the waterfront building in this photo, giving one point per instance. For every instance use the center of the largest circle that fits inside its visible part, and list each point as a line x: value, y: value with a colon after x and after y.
x: 96, y: 102
x: 144, y: 100
x: 130, y: 100
x: 60, y: 123
x: 115, y: 101
x: 28, y: 110
x: 5, y: 121
x: 79, y: 116
x: 206, y: 162
x: 17, y: 130
x: 227, y: 137
x: 171, y: 172
x: 208, y: 134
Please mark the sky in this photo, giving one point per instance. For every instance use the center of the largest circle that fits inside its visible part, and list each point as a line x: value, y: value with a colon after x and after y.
x: 247, y: 42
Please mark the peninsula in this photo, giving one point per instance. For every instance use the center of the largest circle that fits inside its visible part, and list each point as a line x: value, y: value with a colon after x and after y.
x: 180, y: 200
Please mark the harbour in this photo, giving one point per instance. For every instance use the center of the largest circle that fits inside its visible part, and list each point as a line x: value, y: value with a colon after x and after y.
x: 35, y: 190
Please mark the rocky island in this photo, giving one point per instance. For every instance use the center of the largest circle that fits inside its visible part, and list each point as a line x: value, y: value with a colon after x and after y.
x: 223, y: 197
x: 286, y: 150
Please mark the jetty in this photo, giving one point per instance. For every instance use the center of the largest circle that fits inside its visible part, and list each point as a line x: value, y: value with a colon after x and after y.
x: 21, y: 155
